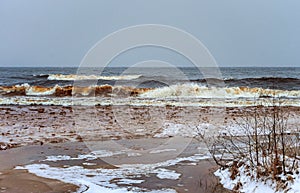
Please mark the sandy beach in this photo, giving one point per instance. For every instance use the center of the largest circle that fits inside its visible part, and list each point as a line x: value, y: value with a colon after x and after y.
x: 30, y: 134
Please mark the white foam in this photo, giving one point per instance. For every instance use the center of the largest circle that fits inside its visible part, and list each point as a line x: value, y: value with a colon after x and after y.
x: 33, y: 92
x: 198, y: 91
x: 136, y: 101
x: 90, y: 77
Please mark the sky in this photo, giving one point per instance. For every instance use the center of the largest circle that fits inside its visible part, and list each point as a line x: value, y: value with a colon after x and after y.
x: 59, y: 33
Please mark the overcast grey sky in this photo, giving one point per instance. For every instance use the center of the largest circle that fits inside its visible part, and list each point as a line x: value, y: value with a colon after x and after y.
x: 237, y: 32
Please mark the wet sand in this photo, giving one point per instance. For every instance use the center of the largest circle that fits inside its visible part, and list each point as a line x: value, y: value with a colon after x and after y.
x: 194, y: 179
x: 27, y: 125
x: 20, y: 181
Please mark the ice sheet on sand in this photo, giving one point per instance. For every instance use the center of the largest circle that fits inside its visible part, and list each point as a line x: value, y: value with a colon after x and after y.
x: 106, y: 180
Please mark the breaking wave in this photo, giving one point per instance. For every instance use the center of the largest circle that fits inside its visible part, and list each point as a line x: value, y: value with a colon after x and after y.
x: 61, y: 91
x: 179, y: 90
x: 198, y: 91
x: 89, y: 77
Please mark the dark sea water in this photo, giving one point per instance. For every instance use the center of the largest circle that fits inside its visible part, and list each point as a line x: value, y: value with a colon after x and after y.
x: 275, y: 78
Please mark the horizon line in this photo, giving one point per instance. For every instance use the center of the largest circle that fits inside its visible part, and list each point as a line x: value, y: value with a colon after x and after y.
x: 148, y: 67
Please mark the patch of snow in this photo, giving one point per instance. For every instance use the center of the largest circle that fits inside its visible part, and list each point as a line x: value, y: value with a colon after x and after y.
x: 130, y: 181
x: 58, y: 158
x: 89, y: 164
x: 167, y: 174
x: 161, y: 150
x: 244, y: 129
x: 172, y: 129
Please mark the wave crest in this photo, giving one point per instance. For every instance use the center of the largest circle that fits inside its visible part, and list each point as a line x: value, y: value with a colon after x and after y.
x: 73, y: 77
x: 198, y: 91
x: 182, y: 90
x: 61, y: 91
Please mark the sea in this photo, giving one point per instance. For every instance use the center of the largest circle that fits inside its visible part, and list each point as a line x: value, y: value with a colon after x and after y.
x: 148, y: 86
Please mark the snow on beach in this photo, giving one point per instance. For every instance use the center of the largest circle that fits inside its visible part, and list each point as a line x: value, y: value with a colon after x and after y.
x: 184, y: 130
x: 248, y: 183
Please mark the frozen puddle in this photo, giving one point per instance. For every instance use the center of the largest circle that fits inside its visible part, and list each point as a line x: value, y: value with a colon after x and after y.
x: 122, y: 178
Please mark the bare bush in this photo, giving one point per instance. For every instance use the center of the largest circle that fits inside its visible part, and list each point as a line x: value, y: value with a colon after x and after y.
x: 260, y: 140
